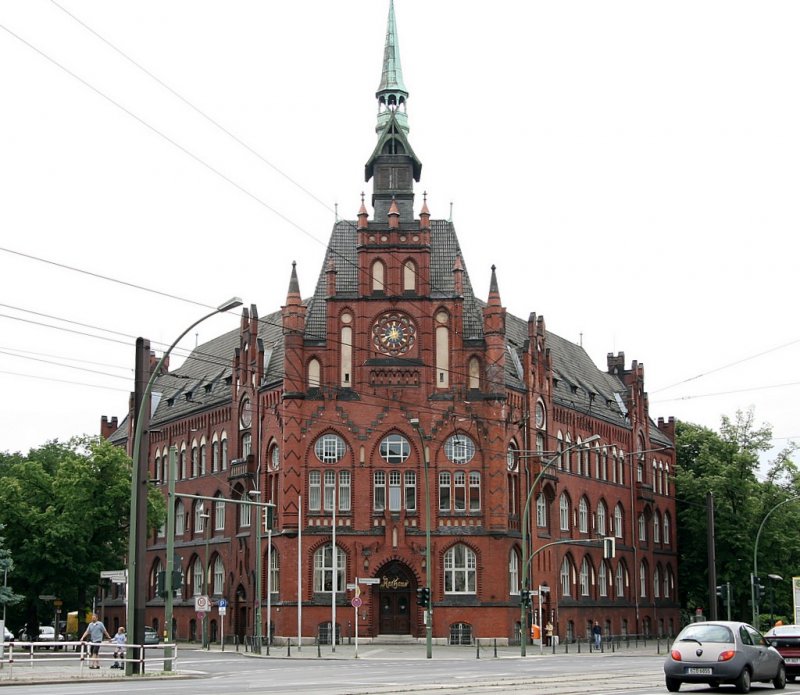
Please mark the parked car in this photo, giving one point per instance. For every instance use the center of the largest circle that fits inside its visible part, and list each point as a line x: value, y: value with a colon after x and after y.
x: 150, y: 635
x: 8, y: 636
x: 47, y: 634
x: 723, y: 652
x: 786, y: 639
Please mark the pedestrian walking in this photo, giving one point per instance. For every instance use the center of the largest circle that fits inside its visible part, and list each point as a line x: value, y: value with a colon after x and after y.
x: 597, y: 635
x: 119, y: 641
x: 95, y: 631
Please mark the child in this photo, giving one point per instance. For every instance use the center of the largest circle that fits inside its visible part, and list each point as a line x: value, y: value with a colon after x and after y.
x: 119, y: 647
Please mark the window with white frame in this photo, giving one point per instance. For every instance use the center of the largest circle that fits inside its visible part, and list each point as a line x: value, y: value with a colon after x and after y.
x: 247, y: 444
x: 668, y: 582
x: 379, y: 491
x: 656, y: 582
x: 219, y: 514
x: 643, y: 580
x: 182, y: 463
x: 444, y: 491
x: 195, y: 460
x: 410, y: 488
x: 513, y: 572
x: 314, y: 491
x: 666, y: 528
x: 474, y: 491
x: 329, y: 448
x: 564, y: 578
x: 618, y: 521
x: 602, y: 579
x: 180, y: 518
x: 459, y: 448
x: 584, y: 577
x: 245, y: 513
x: 460, y: 570
x: 560, y: 452
x: 567, y: 454
x: 642, y: 528
x: 666, y: 479
x: 656, y: 528
x: 215, y: 456
x: 620, y: 580
x: 601, y: 518
x: 541, y: 511
x: 275, y: 572
x: 219, y: 576
x: 621, y: 468
x: 563, y: 511
x: 199, y: 518
x: 459, y: 491
x: 395, y: 448
x: 583, y: 516
x: 203, y: 458
x: 512, y: 456
x: 197, y: 577
x: 395, y: 491
x: 224, y: 453
x: 323, y: 569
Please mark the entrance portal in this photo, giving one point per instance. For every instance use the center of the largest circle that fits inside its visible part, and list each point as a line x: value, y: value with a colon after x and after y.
x: 395, y: 595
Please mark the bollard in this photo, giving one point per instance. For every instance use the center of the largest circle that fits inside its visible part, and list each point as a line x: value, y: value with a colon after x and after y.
x: 288, y: 647
x: 566, y: 646
x: 495, y: 647
x: 319, y: 651
x: 579, y: 645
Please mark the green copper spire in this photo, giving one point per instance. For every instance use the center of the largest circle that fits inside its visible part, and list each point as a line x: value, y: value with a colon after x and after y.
x: 392, y: 93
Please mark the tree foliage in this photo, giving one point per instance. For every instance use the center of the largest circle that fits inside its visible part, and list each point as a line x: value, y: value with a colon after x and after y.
x: 66, y: 509
x: 727, y: 464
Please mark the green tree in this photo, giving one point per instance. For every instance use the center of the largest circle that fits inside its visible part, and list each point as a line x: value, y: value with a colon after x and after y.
x: 7, y: 595
x: 727, y: 464
x: 66, y: 510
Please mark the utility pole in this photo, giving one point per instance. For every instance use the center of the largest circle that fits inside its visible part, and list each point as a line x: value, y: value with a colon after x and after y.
x: 712, y: 556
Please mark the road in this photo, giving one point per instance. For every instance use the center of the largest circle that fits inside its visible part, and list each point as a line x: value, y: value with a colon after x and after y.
x: 380, y: 671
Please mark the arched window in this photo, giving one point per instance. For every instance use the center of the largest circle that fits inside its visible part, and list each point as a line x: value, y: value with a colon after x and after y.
x: 460, y: 570
x: 584, y: 577
x: 666, y: 479
x: 560, y: 451
x: 618, y: 521
x: 215, y: 455
x: 197, y: 577
x: 275, y: 573
x: 583, y: 516
x: 314, y: 373
x: 203, y: 457
x: 513, y: 572
x: 329, y: 448
x: 666, y: 528
x: 346, y: 347
x: 541, y: 511
x: 512, y: 456
x: 642, y: 529
x: 643, y: 579
x: 395, y: 448
x: 568, y: 454
x: 564, y: 577
x: 224, y: 452
x: 442, y: 351
x: 656, y: 528
x: 409, y: 276
x: 219, y: 576
x: 602, y: 580
x: 323, y: 569
x: 157, y: 568
x: 459, y: 448
x: 668, y: 582
x: 184, y: 473
x: 180, y: 518
x: 656, y: 582
x: 195, y: 460
x: 601, y: 518
x: 474, y: 373
x: 378, y: 275
x: 219, y: 513
x: 563, y: 511
x: 621, y: 579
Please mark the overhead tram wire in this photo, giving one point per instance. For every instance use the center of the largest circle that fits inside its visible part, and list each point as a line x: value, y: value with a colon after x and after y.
x: 63, y: 381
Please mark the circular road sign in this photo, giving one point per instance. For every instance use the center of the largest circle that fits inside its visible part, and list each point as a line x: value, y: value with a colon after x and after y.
x: 356, y: 602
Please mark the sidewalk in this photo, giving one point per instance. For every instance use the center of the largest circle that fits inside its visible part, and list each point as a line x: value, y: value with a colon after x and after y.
x: 47, y: 667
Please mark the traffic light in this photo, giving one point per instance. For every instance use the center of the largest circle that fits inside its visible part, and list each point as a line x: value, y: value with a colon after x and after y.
x: 161, y: 578
x: 525, y: 598
x: 423, y: 596
x: 722, y: 591
x: 609, y: 547
x: 758, y: 589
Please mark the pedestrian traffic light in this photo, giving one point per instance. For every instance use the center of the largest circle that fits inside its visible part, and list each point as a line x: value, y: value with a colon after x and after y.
x: 525, y: 598
x: 423, y: 596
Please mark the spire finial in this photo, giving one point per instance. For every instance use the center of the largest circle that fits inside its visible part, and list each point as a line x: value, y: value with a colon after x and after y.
x: 392, y: 93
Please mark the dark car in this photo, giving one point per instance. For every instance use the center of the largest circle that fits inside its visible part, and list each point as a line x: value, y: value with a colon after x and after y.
x: 786, y: 639
x: 723, y: 652
x: 150, y: 635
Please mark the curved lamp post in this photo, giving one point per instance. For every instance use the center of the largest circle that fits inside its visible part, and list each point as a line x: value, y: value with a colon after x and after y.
x: 136, y: 536
x: 523, y: 622
x: 755, y: 557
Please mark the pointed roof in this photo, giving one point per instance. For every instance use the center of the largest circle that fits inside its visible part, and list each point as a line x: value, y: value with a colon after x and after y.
x: 393, y: 130
x: 392, y: 93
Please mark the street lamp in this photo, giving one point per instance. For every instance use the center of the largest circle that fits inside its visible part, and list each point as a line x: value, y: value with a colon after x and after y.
x: 754, y: 576
x: 428, y: 618
x: 256, y: 495
x: 523, y: 622
x: 137, y: 537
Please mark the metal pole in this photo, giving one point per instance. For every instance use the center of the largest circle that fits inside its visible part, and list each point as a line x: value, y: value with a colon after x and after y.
x: 299, y: 573
x: 137, y: 532
x: 257, y: 647
x: 170, y: 559
x: 428, y: 606
x: 269, y: 586
x: 335, y: 569
x: 712, y: 556
x: 207, y: 528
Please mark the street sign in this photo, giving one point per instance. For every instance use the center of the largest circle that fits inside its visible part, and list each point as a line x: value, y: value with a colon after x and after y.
x: 202, y: 604
x: 355, y: 602
x: 47, y: 597
x: 222, y: 610
x: 222, y: 603
x: 201, y: 615
x: 352, y: 587
x: 369, y: 580
x: 58, y: 603
x: 116, y: 576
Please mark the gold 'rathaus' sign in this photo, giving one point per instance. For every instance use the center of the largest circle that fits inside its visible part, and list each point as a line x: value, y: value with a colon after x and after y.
x: 393, y: 583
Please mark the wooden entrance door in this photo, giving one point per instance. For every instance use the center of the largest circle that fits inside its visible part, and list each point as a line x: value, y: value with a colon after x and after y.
x: 395, y: 612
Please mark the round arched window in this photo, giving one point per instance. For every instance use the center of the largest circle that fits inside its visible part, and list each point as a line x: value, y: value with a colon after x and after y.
x: 329, y: 448
x: 275, y: 458
x: 512, y: 454
x: 459, y: 448
x: 395, y: 448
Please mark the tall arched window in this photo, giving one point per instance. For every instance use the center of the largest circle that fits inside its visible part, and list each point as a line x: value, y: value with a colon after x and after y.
x: 215, y: 455
x: 541, y: 511
x: 197, y: 577
x: 563, y: 512
x: 224, y: 452
x: 219, y: 513
x: 643, y: 579
x: 601, y: 518
x: 180, y: 518
x: 460, y: 570
x: 513, y: 572
x: 666, y: 528
x: 602, y: 579
x: 219, y: 576
x: 560, y: 451
x: 409, y: 276
x: 346, y: 348
x: 314, y: 373
x: 275, y: 573
x: 442, y: 351
x: 564, y: 578
x: 583, y: 516
x: 195, y: 460
x: 620, y: 580
x: 656, y: 528
x: 474, y: 373
x: 656, y: 582
x: 618, y: 521
x: 184, y: 473
x: 584, y: 577
x: 378, y: 275
x: 642, y: 529
x: 203, y: 457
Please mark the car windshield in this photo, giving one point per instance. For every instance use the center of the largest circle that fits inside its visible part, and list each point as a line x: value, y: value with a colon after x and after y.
x: 707, y: 633
x: 46, y: 631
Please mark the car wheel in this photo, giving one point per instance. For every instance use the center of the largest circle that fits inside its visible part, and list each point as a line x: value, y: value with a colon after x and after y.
x: 743, y: 681
x: 673, y: 684
x: 780, y: 680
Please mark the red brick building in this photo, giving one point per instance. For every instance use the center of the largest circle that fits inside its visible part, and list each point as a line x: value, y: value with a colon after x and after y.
x: 330, y: 405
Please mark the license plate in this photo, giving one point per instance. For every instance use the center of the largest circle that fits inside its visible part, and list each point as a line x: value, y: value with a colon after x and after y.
x: 699, y: 671
x: 792, y: 660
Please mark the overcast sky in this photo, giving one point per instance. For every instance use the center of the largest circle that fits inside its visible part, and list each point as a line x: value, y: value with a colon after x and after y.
x: 631, y: 168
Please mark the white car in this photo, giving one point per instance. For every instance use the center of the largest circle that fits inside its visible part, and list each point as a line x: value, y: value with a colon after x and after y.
x: 47, y: 634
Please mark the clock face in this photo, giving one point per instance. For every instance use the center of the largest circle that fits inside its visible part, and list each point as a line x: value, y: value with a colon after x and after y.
x: 393, y: 334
